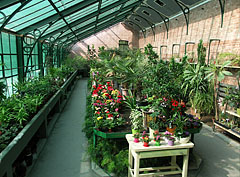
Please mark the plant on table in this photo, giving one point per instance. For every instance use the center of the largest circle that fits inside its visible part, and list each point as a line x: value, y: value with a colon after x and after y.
x: 136, y: 137
x: 136, y: 119
x: 157, y: 140
x: 145, y: 139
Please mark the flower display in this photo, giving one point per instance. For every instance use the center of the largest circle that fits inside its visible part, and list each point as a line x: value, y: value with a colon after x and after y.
x: 106, y: 103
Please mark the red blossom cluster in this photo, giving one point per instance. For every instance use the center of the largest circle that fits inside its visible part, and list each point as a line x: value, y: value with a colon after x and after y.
x: 106, y: 102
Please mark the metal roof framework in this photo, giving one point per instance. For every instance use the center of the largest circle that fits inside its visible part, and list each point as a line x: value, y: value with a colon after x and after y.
x: 67, y: 21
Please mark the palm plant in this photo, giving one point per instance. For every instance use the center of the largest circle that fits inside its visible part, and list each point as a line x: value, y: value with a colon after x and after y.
x: 216, y: 74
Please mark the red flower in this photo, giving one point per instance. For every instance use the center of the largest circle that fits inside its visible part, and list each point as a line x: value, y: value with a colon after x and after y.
x: 98, y: 112
x: 0, y: 132
x: 119, y: 96
x: 175, y: 103
x: 110, y: 115
x: 110, y: 88
x: 108, y: 83
x: 107, y: 112
x: 98, y: 101
x: 173, y: 109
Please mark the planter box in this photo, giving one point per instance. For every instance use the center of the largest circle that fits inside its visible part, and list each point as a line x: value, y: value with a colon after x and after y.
x: 108, y: 135
x: 17, y: 145
x: 222, y: 125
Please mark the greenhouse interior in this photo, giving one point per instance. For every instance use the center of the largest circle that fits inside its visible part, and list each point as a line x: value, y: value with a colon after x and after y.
x: 119, y: 88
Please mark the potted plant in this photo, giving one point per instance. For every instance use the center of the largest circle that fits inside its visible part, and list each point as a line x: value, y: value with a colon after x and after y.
x: 145, y: 139
x: 171, y: 140
x: 153, y: 126
x: 136, y: 120
x: 167, y: 134
x: 157, y: 139
x: 136, y: 137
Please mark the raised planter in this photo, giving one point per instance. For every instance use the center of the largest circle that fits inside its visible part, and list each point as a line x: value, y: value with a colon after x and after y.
x: 108, y: 135
x: 222, y: 125
x: 17, y: 145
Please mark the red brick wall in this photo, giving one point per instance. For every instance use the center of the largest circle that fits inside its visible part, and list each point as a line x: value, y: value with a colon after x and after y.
x: 108, y: 38
x: 205, y: 23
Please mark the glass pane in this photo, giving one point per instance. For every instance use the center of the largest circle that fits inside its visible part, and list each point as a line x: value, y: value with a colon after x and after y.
x: 109, y: 12
x: 33, y: 13
x: 13, y: 44
x: 7, y: 65
x: 14, y: 61
x: 107, y: 3
x: 5, y: 41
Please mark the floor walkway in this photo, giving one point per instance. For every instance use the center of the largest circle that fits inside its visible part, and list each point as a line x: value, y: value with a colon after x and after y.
x: 65, y: 155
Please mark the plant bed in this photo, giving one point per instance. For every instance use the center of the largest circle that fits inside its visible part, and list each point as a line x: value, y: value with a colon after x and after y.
x: 17, y: 145
x: 222, y: 125
x: 236, y: 130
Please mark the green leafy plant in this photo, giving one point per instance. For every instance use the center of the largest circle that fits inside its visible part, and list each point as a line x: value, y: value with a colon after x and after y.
x: 130, y: 100
x: 154, y: 124
x: 136, y: 119
x: 216, y: 74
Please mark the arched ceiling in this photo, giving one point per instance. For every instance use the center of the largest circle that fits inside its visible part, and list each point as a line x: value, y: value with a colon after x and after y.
x: 70, y: 21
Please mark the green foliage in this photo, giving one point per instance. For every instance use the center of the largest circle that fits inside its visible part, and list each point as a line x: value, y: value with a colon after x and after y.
x: 215, y: 73
x: 201, y: 51
x: 234, y: 58
x: 136, y: 119
x: 2, y: 90
x: 17, y: 110
x: 130, y: 100
x: 204, y: 101
x: 76, y: 63
x: 152, y: 55
x: 154, y: 124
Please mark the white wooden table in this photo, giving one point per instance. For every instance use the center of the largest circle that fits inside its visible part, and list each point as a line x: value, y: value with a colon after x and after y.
x: 137, y: 152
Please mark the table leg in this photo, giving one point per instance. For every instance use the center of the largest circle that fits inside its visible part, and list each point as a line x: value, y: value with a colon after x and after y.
x: 136, y: 166
x: 173, y: 161
x: 130, y: 161
x: 185, y: 164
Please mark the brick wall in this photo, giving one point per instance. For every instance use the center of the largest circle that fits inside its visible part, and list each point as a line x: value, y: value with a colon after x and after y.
x: 108, y: 38
x: 205, y: 23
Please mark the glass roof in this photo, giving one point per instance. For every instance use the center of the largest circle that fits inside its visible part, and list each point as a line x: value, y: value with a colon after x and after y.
x: 58, y: 19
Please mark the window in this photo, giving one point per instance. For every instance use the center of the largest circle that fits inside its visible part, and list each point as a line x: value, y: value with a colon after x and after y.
x: 146, y: 13
x: 160, y: 3
x: 137, y: 20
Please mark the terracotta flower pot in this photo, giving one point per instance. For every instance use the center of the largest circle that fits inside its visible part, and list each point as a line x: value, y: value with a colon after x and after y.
x: 145, y: 144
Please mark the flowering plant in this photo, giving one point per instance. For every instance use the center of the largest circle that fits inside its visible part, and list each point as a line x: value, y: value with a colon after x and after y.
x: 106, y: 102
x: 167, y: 134
x: 157, y: 138
x: 145, y: 137
x: 136, y: 135
x: 171, y: 138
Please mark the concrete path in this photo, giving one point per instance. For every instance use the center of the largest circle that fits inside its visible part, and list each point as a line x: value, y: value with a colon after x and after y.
x: 220, y: 155
x: 64, y: 154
